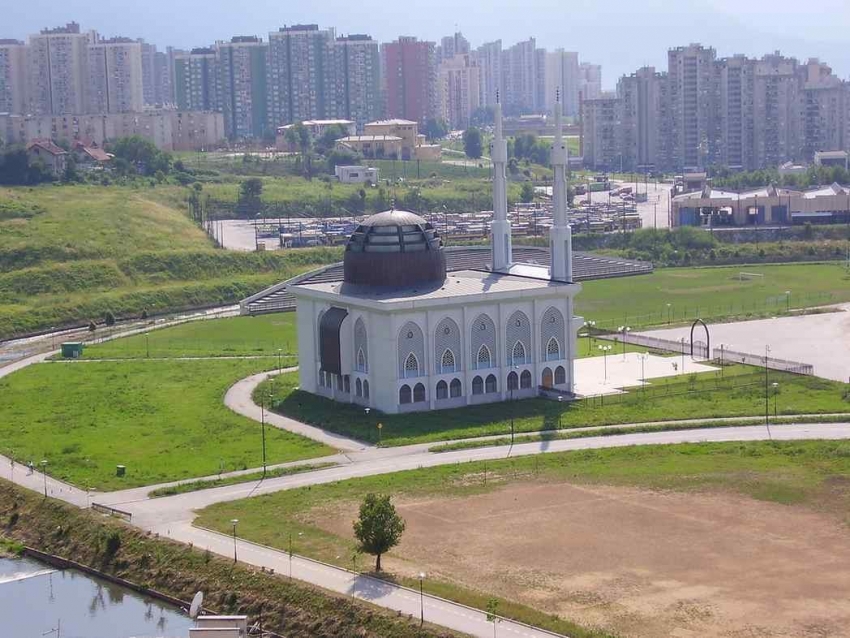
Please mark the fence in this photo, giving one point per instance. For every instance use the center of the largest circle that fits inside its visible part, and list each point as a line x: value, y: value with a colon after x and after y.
x: 781, y: 365
x: 111, y: 511
x: 683, y: 346
x: 678, y: 314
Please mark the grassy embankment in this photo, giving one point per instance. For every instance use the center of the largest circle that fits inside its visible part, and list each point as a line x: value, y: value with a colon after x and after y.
x: 264, y: 335
x: 69, y: 254
x: 810, y: 474
x: 164, y: 420
x: 704, y: 396
x: 290, y: 608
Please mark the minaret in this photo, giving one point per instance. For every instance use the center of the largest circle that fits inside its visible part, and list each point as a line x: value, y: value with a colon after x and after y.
x: 500, y: 229
x: 560, y: 235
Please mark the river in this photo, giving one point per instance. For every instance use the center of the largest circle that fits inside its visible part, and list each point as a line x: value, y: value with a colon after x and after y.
x: 36, y: 600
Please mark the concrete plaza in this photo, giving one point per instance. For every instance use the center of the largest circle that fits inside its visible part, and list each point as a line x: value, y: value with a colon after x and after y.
x: 608, y: 375
x: 822, y: 340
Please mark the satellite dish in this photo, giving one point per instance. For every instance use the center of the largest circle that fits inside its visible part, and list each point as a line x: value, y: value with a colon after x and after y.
x: 197, y: 601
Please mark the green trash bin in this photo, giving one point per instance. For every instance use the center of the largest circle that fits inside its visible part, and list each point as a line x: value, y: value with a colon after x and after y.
x: 120, y: 470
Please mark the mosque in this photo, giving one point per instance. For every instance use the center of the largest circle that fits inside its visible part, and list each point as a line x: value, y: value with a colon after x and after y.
x: 401, y: 332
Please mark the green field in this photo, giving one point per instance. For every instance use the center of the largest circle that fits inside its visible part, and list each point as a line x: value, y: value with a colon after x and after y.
x: 739, y: 393
x: 793, y: 473
x: 164, y: 420
x: 70, y: 254
x: 710, y: 293
x: 265, y: 335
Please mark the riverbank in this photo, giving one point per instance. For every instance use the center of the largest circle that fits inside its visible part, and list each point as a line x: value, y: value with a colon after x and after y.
x: 114, y: 549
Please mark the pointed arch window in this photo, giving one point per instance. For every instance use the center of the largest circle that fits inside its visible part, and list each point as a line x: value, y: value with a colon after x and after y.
x: 411, y: 366
x: 553, y: 350
x: 361, y: 360
x: 447, y: 361
x: 518, y: 353
x: 483, y: 359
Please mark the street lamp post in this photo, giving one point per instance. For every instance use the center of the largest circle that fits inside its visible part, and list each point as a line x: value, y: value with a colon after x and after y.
x: 589, y: 327
x: 787, y: 301
x: 44, y: 474
x: 625, y: 330
x: 279, y: 368
x: 775, y: 387
x: 682, y: 340
x: 766, y: 397
x: 605, y: 350
x: 643, y: 357
x: 421, y: 600
x: 669, y: 306
x: 234, y: 522
x: 560, y: 401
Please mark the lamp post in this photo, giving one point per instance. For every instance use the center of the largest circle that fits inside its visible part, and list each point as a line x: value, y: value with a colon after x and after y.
x: 511, y: 389
x: 421, y: 600
x: 147, y: 346
x: 605, y: 350
x: 263, y: 427
x: 643, y: 357
x: 775, y: 387
x: 560, y: 401
x: 669, y: 306
x: 234, y: 522
x: 682, y: 341
x: 625, y: 330
x: 44, y: 474
x: 279, y: 368
x: 787, y: 301
x: 589, y: 326
x: 766, y: 398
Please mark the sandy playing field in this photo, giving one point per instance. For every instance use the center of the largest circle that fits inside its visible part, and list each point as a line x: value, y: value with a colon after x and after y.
x: 635, y: 562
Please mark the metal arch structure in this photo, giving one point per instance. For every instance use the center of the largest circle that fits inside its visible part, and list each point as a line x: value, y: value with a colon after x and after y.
x: 707, y: 337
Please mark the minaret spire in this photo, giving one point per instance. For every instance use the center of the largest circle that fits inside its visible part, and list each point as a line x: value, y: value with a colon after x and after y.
x: 560, y: 235
x: 500, y: 229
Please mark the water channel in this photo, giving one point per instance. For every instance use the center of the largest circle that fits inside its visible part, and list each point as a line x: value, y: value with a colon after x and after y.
x: 36, y: 600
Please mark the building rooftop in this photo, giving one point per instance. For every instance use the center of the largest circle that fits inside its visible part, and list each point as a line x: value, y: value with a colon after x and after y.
x: 370, y: 138
x: 48, y: 146
x: 586, y: 267
x: 393, y: 122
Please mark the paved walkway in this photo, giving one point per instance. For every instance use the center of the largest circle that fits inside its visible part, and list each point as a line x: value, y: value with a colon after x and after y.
x: 822, y: 340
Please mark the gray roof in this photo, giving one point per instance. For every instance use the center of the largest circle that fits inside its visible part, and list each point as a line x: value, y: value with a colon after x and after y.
x: 586, y: 267
x: 394, y: 218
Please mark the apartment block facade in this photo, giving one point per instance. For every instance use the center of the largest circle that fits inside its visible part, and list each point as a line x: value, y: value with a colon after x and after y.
x: 410, y: 79
x: 13, y: 76
x: 242, y: 65
x: 58, y: 70
x: 115, y: 77
x: 197, y: 80
x: 355, y: 88
x: 458, y: 89
x: 489, y: 58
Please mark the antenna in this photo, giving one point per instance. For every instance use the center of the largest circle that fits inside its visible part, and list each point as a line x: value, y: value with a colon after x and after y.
x: 197, y: 602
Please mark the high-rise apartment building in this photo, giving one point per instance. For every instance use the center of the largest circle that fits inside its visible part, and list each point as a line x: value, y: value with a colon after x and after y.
x: 601, y: 132
x: 823, y: 109
x: 58, y: 70
x: 590, y: 80
x: 242, y: 67
x: 150, y: 79
x: 642, y: 102
x: 410, y: 79
x: 520, y: 77
x: 489, y: 57
x: 736, y: 90
x: 197, y: 80
x: 13, y: 76
x: 776, y: 111
x: 458, y: 89
x: 452, y: 45
x: 299, y: 66
x: 355, y: 90
x: 562, y: 74
x: 693, y: 106
x: 115, y: 77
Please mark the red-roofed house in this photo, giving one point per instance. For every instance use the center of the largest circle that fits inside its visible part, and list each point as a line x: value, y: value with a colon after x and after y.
x: 90, y: 155
x: 55, y: 158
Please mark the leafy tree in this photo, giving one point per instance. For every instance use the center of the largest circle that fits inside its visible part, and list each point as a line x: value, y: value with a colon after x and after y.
x: 17, y: 170
x: 436, y: 129
x: 141, y: 154
x: 109, y: 318
x: 493, y: 613
x: 379, y: 527
x: 341, y: 158
x: 472, y: 143
x: 250, y: 193
x: 327, y: 140
x: 526, y: 193
x: 482, y: 116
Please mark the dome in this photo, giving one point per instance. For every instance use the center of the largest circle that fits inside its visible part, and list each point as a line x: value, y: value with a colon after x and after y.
x: 395, y: 248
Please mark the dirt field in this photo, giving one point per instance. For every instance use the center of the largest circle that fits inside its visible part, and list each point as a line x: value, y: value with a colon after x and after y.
x: 634, y: 562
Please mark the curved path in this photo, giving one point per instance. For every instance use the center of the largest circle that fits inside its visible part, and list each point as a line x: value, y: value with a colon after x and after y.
x: 173, y: 516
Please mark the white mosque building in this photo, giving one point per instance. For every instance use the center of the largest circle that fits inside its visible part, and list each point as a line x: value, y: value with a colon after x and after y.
x: 399, y: 333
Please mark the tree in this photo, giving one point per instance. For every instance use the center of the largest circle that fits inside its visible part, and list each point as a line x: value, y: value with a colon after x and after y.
x: 493, y: 613
x: 472, y: 144
x: 379, y: 527
x: 435, y: 129
x: 141, y: 154
x: 526, y: 193
x: 109, y: 318
x: 250, y: 192
x: 17, y: 170
x: 327, y: 140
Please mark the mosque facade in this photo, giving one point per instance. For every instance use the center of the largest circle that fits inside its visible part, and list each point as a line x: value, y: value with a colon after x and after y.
x: 399, y: 333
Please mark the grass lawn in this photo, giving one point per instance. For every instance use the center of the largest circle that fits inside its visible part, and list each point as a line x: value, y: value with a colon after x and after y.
x: 795, y: 473
x: 706, y: 396
x: 710, y: 293
x: 164, y: 420
x: 263, y: 335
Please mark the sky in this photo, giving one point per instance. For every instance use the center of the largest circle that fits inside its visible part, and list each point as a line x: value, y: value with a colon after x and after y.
x: 621, y: 35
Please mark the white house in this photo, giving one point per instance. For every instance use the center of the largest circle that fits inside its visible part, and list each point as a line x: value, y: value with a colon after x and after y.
x: 356, y: 174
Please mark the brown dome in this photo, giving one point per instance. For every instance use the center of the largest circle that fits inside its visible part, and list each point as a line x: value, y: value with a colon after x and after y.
x: 395, y: 248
